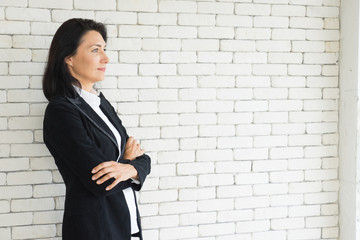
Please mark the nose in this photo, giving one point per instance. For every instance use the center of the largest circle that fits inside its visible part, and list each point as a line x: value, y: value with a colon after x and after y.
x: 105, y: 58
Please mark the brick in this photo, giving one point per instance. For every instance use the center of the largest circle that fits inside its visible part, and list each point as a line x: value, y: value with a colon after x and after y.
x: 110, y: 17
x: 29, y: 68
x: 251, y: 154
x: 124, y: 44
x: 197, y: 118
x: 322, y: 11
x: 306, y: 2
x: 158, y: 196
x: 160, y: 221
x: 252, y: 9
x: 215, y: 205
x: 237, y: 69
x: 234, y: 21
x: 216, y: 130
x: 14, y: 27
x: 30, y: 123
x: 218, y: 82
x: 177, y: 6
x: 270, y: 117
x: 270, y: 141
x: 178, y: 57
x: 234, y: 142
x: 196, y: 69
x: 308, y: 46
x: 270, y: 93
x: 250, y: 106
x: 320, y: 105
x: 253, y: 129
x: 285, y: 57
x: 177, y: 32
x: 331, y: 93
x: 269, y: 69
x: 287, y: 10
x: 299, y: 211
x: 197, y: 94
x: 331, y: 186
x: 321, y: 221
x: 237, y: 45
x: 286, y: 152
x: 306, y: 22
x: 308, y: 116
x: 44, y: 28
x: 157, y: 18
x: 331, y: 23
x: 215, y: 7
x: 200, y: 45
x: 270, y: 189
x: 63, y: 15
x: 329, y: 209
x: 289, y: 176
x: 287, y: 200
x: 318, y: 175
x: 332, y: 232
x: 270, y: 213
x: 330, y: 70
x: 161, y: 44
x: 138, y: 31
x: 273, y: 46
x: 216, y: 229
x: 197, y: 218
x: 179, y: 132
x: 214, y: 57
x: 270, y: 235
x: 271, y: 22
x: 174, y: 233
x: 302, y: 70
x: 160, y: 145
x: 305, y: 187
x: 235, y: 215
x: 197, y: 193
x: 94, y: 5
x: 320, y: 58
x: 49, y: 190
x: 157, y: 69
x: 26, y: 96
x: 5, y: 42
x: 150, y: 234
x: 215, y: 106
x: 311, y: 163
x: 214, y: 155
x: 15, y: 219
x: 34, y: 177
x: 252, y: 178
x: 330, y: 163
x: 253, y: 81
x: 195, y: 168
x: 253, y: 33
x: 137, y: 82
x: 4, y: 69
x: 4, y: 150
x: 4, y: 207
x: 47, y: 217
x: 14, y: 109
x: 15, y: 55
x: 216, y: 32
x: 14, y: 3
x: 16, y: 137
x: 234, y: 191
x: 324, y: 35
x: 255, y: 57
x: 285, y: 105
x: 298, y: 234
x: 304, y: 140
x: 157, y: 94
x: 287, y: 223
x: 322, y: 128
x: 32, y: 205
x: 27, y: 14
x: 67, y: 4
x: 253, y: 226
x: 321, y: 198
x: 43, y: 163
x: 215, y: 179
x: 322, y: 82
x: 234, y: 118
x: 177, y: 207
x: 177, y: 182
x: 197, y: 143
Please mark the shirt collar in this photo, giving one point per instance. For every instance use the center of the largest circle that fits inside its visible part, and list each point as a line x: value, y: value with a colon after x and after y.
x: 90, y: 98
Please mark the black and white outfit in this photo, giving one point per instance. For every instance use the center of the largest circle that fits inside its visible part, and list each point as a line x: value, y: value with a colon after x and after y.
x: 81, y: 133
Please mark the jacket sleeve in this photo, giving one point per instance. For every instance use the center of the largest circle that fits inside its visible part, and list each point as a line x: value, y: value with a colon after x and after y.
x: 67, y: 139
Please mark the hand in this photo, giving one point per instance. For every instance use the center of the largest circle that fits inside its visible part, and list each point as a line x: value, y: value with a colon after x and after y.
x: 132, y: 149
x: 107, y: 170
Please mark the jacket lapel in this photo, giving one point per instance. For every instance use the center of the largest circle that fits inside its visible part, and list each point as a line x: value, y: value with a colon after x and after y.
x: 93, y: 117
x: 107, y: 109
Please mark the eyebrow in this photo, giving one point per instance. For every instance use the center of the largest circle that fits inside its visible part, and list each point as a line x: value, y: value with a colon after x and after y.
x: 97, y: 45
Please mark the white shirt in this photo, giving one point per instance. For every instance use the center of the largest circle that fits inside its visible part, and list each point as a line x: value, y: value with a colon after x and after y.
x: 94, y: 101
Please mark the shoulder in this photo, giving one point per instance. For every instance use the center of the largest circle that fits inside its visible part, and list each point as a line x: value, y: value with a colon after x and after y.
x: 57, y: 105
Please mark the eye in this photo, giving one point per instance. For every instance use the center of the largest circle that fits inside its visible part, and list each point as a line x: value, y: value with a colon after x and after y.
x: 95, y: 50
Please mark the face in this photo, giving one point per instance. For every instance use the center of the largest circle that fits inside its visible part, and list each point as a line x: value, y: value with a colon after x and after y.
x: 88, y: 65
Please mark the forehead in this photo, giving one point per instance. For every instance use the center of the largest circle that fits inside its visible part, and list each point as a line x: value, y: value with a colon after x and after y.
x: 92, y: 37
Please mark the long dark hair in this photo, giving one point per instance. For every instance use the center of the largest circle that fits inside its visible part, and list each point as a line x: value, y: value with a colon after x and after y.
x: 57, y: 80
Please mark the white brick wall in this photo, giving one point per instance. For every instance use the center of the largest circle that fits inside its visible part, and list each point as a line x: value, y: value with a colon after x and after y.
x: 236, y: 102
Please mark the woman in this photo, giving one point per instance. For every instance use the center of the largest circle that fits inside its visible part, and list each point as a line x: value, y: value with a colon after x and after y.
x: 101, y: 166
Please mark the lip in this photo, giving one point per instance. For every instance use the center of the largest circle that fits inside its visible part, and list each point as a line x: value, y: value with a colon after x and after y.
x: 102, y: 69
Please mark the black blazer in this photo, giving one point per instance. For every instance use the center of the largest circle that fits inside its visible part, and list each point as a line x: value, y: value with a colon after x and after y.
x: 79, y: 140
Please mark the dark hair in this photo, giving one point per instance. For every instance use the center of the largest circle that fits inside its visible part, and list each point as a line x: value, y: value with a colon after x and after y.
x: 57, y: 80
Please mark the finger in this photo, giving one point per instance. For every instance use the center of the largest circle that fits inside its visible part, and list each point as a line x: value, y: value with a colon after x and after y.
x: 112, y: 185
x: 102, y: 172
x: 101, y: 166
x: 105, y: 178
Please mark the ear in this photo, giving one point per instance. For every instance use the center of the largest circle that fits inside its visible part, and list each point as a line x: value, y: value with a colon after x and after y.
x: 68, y: 61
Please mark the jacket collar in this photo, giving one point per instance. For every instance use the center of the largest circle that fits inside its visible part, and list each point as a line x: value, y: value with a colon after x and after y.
x: 95, y: 119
